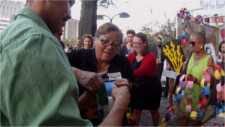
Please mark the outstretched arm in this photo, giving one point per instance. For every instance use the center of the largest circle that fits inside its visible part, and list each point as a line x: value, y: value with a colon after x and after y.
x: 89, y: 80
x: 121, y: 98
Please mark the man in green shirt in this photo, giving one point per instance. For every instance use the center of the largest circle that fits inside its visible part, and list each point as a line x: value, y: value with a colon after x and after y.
x: 38, y: 86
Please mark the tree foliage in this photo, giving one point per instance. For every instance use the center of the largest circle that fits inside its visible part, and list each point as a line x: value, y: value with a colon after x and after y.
x: 166, y: 31
x: 148, y: 31
x: 105, y: 3
x: 65, y: 40
x: 74, y: 40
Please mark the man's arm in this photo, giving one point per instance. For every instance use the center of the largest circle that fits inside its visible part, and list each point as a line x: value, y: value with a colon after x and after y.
x: 89, y: 80
x: 121, y: 98
x: 86, y: 99
x: 39, y: 87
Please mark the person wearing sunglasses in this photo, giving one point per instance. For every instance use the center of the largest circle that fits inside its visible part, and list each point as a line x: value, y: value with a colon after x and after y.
x: 103, y: 59
x: 147, y: 95
x: 199, y: 60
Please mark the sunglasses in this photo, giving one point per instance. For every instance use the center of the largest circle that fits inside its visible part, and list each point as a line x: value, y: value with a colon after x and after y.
x: 193, y: 43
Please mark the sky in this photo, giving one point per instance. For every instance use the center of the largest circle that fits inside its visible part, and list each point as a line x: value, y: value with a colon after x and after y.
x: 141, y: 12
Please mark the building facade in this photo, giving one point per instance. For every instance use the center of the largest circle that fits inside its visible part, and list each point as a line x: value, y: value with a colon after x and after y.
x: 8, y: 10
x: 70, y: 31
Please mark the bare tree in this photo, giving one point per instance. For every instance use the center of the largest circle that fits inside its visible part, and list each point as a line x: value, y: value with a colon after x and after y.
x: 167, y: 31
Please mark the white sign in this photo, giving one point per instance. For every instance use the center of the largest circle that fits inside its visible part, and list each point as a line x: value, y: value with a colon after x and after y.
x: 209, y: 48
x: 212, y: 7
x: 170, y: 74
x: 114, y: 76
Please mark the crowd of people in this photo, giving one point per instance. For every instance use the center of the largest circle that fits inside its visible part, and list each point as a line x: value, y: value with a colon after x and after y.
x: 47, y: 83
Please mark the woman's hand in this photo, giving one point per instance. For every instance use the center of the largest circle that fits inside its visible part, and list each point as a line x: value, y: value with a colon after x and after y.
x: 121, y: 94
x: 123, y: 82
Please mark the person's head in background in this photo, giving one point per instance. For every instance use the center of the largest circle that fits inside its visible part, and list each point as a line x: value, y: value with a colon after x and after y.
x: 140, y: 44
x: 130, y: 36
x: 159, y: 41
x: 77, y: 45
x: 108, y: 39
x: 197, y: 42
x: 54, y: 12
x: 222, y: 47
x: 69, y: 46
x: 87, y: 41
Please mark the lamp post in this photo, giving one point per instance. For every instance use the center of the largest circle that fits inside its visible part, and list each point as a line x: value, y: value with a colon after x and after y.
x: 122, y: 15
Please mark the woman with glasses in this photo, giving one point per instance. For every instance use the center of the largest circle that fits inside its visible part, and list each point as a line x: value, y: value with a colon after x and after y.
x: 103, y: 59
x: 87, y: 41
x: 194, y: 102
x: 148, y: 93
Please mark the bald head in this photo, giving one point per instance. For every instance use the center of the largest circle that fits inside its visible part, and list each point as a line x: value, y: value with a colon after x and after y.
x: 54, y: 12
x: 199, y: 36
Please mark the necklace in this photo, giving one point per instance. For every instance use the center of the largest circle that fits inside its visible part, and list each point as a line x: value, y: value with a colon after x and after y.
x: 196, y: 61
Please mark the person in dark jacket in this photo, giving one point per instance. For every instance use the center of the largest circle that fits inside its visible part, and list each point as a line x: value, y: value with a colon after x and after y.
x: 103, y: 59
x: 127, y: 48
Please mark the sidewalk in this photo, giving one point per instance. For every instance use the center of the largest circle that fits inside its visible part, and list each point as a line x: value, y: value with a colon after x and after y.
x: 146, y: 118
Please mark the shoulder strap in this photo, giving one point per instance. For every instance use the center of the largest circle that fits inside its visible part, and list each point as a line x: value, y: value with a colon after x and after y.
x: 185, y: 67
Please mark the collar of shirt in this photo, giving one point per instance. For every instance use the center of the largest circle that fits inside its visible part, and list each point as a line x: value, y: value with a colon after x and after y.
x: 25, y: 12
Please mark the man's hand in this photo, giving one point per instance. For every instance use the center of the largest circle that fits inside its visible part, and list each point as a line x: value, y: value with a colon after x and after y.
x: 89, y: 80
x: 123, y: 82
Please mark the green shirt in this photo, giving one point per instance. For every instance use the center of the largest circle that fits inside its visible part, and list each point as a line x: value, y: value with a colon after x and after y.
x: 196, y: 71
x: 38, y: 87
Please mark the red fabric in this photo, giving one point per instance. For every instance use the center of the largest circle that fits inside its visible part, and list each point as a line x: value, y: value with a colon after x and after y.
x: 148, y: 67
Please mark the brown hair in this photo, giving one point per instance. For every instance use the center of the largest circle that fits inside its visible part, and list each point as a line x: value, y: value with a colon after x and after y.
x: 108, y: 27
x: 144, y: 39
x: 131, y: 32
x: 223, y: 42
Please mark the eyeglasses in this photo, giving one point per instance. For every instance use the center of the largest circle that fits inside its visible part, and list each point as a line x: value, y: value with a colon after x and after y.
x: 106, y: 43
x: 193, y: 43
x: 137, y: 43
x: 66, y: 18
x: 72, y: 2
